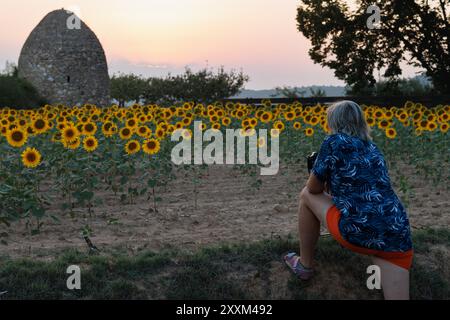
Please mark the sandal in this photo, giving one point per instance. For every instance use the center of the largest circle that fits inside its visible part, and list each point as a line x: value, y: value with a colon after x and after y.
x: 292, y: 260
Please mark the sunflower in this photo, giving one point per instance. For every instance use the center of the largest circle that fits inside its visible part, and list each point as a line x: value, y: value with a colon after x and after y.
x: 186, y: 121
x: 22, y: 122
x: 431, y: 126
x: 423, y: 124
x: 240, y: 114
x: 106, y: 127
x: 314, y: 120
x: 151, y: 146
x: 391, y: 133
x: 444, y: 127
x: 389, y: 115
x: 170, y: 129
x: 132, y: 123
x: 266, y: 117
x: 31, y: 158
x: 216, y: 126
x: 297, y: 125
x: 417, y: 116
x: 403, y: 116
x: 132, y: 147
x: 112, y: 130
x: 379, y: 114
x: 226, y: 121
x: 371, y: 121
x: 383, y: 124
x: 17, y: 137
x: 160, y: 133
x: 278, y: 125
x: 289, y: 116
x: 143, y: 131
x: 309, y: 132
x: 444, y: 117
x: 90, y: 144
x: 125, y: 133
x: 39, y: 126
x: 89, y: 128
x: 73, y: 145
x: 202, y: 126
x: 70, y: 133
x: 179, y: 125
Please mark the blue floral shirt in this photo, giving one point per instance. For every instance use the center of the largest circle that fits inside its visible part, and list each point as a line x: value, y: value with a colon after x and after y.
x: 372, y: 215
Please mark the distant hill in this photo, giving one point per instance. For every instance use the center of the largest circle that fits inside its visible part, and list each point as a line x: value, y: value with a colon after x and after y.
x: 330, y: 91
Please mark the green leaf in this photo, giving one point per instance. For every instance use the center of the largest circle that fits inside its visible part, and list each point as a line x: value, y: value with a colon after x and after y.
x: 38, y: 212
x: 113, y: 221
x: 123, y: 180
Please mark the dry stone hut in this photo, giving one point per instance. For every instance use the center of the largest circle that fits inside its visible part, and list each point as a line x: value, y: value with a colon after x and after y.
x: 66, y: 64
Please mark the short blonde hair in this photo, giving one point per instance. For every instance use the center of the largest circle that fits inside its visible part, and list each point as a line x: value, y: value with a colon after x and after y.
x: 347, y: 117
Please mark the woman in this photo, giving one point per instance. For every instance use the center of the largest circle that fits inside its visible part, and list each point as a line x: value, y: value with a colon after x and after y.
x: 361, y: 210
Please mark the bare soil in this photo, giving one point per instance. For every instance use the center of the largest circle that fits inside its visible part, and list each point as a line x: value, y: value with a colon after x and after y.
x: 228, y: 209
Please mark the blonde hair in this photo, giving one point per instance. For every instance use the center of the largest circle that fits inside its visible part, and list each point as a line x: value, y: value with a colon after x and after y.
x: 347, y: 117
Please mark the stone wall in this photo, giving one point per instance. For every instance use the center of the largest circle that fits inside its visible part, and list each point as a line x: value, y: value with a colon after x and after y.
x: 66, y: 66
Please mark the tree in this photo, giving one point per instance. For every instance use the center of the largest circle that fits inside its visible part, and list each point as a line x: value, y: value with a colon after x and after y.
x: 127, y: 88
x: 317, y: 93
x: 416, y: 32
x: 289, y: 92
x: 203, y: 86
x: 403, y: 87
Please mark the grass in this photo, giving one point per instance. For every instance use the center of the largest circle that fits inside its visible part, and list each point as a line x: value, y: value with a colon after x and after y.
x: 238, y: 271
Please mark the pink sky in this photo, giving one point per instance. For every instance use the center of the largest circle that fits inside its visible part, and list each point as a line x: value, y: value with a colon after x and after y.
x: 154, y: 37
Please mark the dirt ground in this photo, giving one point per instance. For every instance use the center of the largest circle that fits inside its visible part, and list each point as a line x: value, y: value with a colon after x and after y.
x: 228, y: 210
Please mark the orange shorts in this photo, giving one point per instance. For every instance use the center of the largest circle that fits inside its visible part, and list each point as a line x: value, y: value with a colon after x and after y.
x: 401, y: 259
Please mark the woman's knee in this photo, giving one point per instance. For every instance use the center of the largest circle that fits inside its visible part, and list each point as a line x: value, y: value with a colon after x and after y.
x: 304, y: 196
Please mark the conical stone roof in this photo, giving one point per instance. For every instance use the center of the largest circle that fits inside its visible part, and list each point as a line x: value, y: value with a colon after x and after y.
x: 65, y: 64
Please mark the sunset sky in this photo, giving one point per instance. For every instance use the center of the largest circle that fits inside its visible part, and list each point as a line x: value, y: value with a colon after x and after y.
x: 154, y: 37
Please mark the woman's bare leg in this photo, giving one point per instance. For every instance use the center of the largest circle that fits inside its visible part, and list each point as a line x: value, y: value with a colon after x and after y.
x: 309, y: 231
x: 312, y: 211
x: 394, y: 280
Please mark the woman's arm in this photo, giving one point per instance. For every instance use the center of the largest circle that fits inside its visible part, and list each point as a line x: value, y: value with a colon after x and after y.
x: 314, y: 185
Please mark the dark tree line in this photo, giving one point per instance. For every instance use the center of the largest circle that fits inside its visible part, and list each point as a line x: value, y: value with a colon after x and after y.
x: 202, y: 86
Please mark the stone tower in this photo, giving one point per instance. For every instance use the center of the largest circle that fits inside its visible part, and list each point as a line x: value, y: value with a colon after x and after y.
x: 66, y: 65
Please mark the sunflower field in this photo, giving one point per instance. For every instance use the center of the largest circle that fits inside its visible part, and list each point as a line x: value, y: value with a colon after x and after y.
x: 78, y: 151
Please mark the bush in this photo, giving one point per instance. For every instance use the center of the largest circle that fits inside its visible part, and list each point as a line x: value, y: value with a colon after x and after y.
x: 18, y: 93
